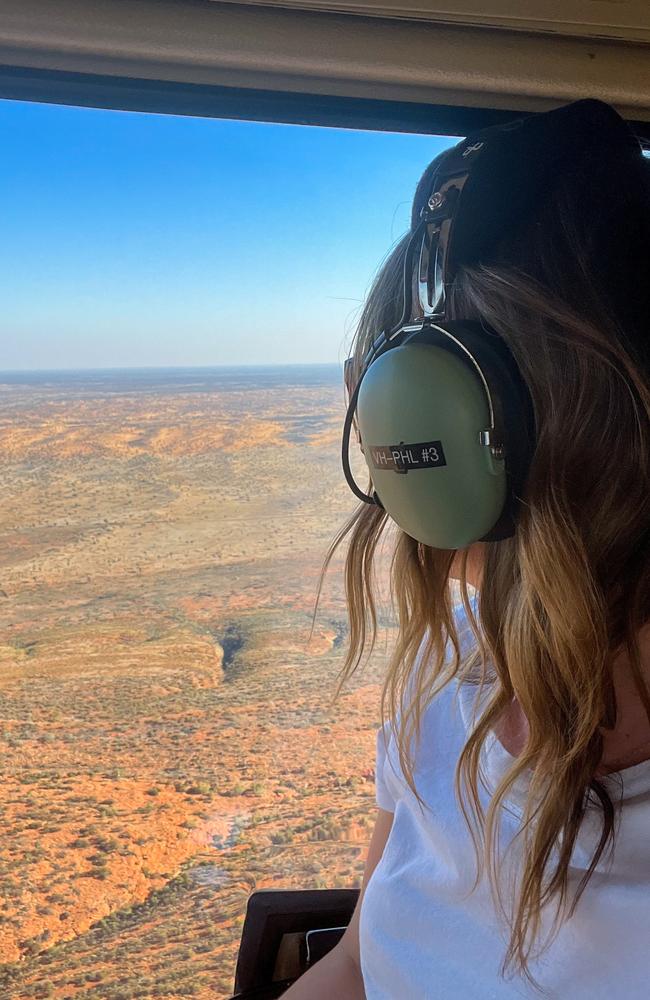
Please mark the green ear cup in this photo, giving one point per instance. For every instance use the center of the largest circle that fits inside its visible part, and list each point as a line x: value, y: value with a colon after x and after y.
x: 421, y: 410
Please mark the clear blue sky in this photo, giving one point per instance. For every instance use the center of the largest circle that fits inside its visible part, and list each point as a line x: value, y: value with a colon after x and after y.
x: 132, y: 239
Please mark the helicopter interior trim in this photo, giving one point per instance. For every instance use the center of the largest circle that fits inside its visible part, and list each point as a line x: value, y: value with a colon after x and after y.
x: 326, y: 54
x: 629, y: 20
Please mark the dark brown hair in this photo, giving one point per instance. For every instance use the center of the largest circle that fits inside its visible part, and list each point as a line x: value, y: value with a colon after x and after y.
x: 569, y: 292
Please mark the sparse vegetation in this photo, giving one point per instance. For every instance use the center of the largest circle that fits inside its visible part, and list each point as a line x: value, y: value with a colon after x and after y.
x: 146, y: 789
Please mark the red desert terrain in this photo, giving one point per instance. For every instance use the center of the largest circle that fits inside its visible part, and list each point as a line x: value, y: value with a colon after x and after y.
x: 168, y: 738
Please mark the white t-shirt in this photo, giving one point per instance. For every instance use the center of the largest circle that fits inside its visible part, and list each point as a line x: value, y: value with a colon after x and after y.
x: 423, y: 935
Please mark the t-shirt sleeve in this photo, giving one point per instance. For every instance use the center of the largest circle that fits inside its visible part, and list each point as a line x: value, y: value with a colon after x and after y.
x: 383, y: 795
x: 466, y: 637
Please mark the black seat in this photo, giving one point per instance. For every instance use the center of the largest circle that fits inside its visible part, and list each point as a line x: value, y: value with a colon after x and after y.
x: 285, y: 932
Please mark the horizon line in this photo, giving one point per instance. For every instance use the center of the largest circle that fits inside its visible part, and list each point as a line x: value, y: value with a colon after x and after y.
x: 162, y: 368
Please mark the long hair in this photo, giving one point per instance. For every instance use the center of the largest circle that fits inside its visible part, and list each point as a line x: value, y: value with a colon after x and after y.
x: 569, y: 294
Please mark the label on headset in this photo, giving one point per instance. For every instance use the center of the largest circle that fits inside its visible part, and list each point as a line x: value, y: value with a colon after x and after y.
x: 407, y: 457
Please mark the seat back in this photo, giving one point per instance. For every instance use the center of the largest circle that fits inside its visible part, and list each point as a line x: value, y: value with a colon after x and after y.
x: 285, y: 932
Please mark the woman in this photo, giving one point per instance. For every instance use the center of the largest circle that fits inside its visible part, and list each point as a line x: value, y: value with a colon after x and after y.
x: 511, y: 854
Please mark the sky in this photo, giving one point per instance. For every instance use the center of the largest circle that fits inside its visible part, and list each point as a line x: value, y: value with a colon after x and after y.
x: 152, y: 240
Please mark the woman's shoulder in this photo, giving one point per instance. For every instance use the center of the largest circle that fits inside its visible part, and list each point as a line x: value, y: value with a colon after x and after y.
x: 446, y: 721
x: 434, y: 755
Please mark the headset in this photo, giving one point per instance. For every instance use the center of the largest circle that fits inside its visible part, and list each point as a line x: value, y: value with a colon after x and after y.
x: 444, y: 418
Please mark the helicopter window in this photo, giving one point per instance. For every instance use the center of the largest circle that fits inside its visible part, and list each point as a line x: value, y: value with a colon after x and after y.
x: 178, y: 295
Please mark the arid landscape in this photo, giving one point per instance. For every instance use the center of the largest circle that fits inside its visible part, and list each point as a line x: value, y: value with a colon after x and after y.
x: 168, y: 743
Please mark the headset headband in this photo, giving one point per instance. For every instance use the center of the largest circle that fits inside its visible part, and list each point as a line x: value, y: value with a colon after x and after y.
x: 424, y: 271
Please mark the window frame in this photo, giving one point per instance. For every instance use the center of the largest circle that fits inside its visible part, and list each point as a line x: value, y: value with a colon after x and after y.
x: 247, y: 104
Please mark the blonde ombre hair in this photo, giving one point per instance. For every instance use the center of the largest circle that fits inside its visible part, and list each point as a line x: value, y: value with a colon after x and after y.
x: 568, y: 292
